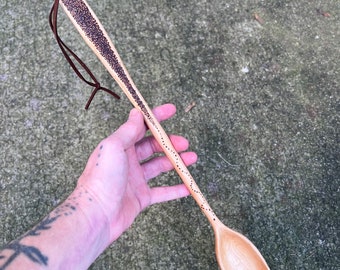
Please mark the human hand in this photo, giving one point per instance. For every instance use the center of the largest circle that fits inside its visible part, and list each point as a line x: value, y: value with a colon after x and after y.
x: 118, y: 171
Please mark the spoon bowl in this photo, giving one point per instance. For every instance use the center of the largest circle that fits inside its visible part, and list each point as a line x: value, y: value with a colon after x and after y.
x: 235, y: 251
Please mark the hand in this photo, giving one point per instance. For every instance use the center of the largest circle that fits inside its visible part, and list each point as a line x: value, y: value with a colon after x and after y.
x: 117, y: 174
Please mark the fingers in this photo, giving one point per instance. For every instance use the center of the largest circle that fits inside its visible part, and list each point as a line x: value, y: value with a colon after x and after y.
x: 149, y: 146
x: 163, y: 194
x: 134, y: 129
x: 158, y: 165
x: 164, y: 112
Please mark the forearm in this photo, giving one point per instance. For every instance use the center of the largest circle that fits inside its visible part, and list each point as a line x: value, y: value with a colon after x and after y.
x: 71, y: 237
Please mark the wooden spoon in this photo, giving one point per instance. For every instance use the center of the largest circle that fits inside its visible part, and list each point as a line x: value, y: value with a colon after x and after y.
x: 233, y: 250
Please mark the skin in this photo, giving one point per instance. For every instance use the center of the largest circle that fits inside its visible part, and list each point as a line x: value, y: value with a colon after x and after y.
x: 110, y: 193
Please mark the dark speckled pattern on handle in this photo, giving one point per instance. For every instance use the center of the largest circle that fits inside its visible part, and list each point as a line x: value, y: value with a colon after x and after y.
x: 82, y: 15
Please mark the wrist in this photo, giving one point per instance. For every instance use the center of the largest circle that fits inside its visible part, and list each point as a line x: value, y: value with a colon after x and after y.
x: 91, y: 215
x: 84, y: 230
x: 79, y: 234
x: 103, y: 206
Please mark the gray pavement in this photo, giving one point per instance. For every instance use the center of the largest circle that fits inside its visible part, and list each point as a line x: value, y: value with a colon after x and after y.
x: 265, y: 124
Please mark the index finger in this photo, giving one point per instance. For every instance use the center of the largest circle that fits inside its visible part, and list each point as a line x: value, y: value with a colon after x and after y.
x: 134, y: 130
x: 164, y: 111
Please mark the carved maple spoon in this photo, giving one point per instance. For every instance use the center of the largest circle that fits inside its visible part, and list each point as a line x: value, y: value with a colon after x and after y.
x: 233, y: 250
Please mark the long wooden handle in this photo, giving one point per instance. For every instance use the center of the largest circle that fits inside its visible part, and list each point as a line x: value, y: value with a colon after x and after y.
x: 94, y: 34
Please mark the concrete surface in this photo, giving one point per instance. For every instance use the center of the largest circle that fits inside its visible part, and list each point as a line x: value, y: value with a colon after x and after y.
x: 265, y: 124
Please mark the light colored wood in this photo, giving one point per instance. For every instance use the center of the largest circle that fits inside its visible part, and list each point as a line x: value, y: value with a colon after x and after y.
x: 233, y: 250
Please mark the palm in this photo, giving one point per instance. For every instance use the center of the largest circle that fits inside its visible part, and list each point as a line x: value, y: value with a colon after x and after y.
x: 137, y: 193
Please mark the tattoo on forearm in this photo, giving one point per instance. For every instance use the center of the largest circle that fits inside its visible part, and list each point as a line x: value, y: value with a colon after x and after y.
x: 33, y: 253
